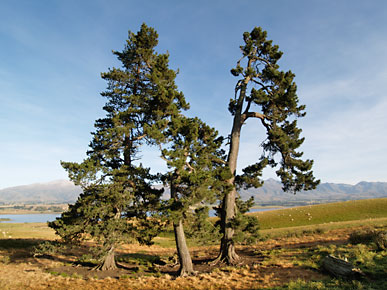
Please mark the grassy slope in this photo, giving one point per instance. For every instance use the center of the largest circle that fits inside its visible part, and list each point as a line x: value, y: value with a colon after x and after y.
x: 324, y: 216
x: 323, y: 213
x: 279, y: 263
x: 26, y: 231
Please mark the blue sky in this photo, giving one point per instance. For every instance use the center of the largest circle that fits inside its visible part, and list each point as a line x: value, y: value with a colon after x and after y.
x: 52, y: 54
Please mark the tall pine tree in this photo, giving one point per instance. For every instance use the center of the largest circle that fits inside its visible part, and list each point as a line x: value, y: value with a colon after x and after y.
x: 118, y: 200
x: 269, y: 95
x: 192, y: 152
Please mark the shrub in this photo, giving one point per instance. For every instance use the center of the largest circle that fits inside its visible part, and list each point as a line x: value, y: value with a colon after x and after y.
x: 200, y: 229
x: 361, y: 237
x: 5, y: 259
x: 370, y: 236
x: 48, y: 248
x: 380, y: 240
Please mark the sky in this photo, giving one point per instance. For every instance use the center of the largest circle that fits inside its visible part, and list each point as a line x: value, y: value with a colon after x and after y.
x: 53, y: 52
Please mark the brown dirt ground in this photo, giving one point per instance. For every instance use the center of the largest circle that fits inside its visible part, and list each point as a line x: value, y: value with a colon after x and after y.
x: 23, y: 271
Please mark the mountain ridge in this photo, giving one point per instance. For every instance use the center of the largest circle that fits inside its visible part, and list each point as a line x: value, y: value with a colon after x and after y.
x: 64, y: 191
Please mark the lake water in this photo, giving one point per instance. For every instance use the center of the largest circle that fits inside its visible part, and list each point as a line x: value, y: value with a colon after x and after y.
x: 29, y: 218
x: 45, y: 217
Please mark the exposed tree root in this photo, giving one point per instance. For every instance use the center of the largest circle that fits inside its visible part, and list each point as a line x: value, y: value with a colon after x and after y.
x: 185, y: 273
x: 227, y: 255
x: 109, y: 262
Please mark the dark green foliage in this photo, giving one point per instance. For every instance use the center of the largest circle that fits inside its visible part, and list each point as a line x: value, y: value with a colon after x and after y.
x: 378, y: 237
x: 141, y: 258
x: 246, y: 227
x: 48, y: 248
x: 361, y: 237
x: 192, y: 151
x: 118, y: 202
x: 200, y: 229
x: 250, y: 176
x: 269, y: 95
x: 273, y: 92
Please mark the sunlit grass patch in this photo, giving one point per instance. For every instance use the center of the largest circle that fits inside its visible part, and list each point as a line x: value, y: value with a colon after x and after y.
x: 323, y: 213
x: 301, y: 231
x: 26, y: 231
x: 328, y: 284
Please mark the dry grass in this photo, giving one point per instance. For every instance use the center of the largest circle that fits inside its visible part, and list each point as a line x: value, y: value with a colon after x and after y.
x: 286, y: 255
x: 268, y: 264
x: 26, y: 231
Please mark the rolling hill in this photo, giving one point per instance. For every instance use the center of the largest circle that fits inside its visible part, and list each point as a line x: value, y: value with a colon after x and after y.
x: 58, y: 191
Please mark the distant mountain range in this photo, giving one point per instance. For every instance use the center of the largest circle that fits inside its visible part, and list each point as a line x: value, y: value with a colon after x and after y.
x: 63, y: 191
x: 58, y: 191
x: 271, y: 192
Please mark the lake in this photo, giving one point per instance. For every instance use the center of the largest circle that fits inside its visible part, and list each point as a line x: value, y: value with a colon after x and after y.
x: 29, y: 218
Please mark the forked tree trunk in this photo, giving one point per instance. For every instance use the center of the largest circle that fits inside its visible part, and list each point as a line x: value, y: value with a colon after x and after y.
x: 109, y: 262
x: 186, y: 267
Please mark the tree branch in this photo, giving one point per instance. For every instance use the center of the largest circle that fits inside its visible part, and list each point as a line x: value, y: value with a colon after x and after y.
x: 191, y: 169
x: 162, y: 156
x: 266, y: 88
x: 247, y: 115
x: 261, y: 59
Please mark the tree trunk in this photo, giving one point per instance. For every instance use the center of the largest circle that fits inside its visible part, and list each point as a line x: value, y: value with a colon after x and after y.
x: 109, y: 262
x: 340, y: 268
x: 186, y: 267
x: 227, y: 248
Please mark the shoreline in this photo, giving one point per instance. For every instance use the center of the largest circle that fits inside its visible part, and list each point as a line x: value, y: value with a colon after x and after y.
x: 16, y: 212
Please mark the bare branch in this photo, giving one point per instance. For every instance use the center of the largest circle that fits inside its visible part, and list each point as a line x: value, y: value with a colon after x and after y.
x: 220, y: 161
x: 191, y: 169
x: 267, y: 126
x: 162, y: 156
x: 266, y: 88
x: 247, y: 115
x: 139, y: 137
x: 248, y: 106
x: 261, y: 59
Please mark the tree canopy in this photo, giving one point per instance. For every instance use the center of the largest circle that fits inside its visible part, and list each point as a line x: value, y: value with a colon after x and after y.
x: 266, y: 93
x: 118, y: 199
x: 144, y: 108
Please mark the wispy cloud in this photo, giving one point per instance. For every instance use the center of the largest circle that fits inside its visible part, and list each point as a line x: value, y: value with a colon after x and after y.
x: 53, y: 53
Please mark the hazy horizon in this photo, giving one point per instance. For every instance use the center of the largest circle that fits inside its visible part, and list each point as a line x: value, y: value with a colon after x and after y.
x: 54, y: 51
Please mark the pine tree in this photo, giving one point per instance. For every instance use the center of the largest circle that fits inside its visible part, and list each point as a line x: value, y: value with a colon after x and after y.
x: 200, y: 228
x: 269, y: 95
x: 118, y: 201
x: 193, y: 155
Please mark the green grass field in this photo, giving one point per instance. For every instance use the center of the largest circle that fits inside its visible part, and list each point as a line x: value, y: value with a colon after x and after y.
x: 323, y: 213
x: 26, y: 231
x: 273, y: 223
